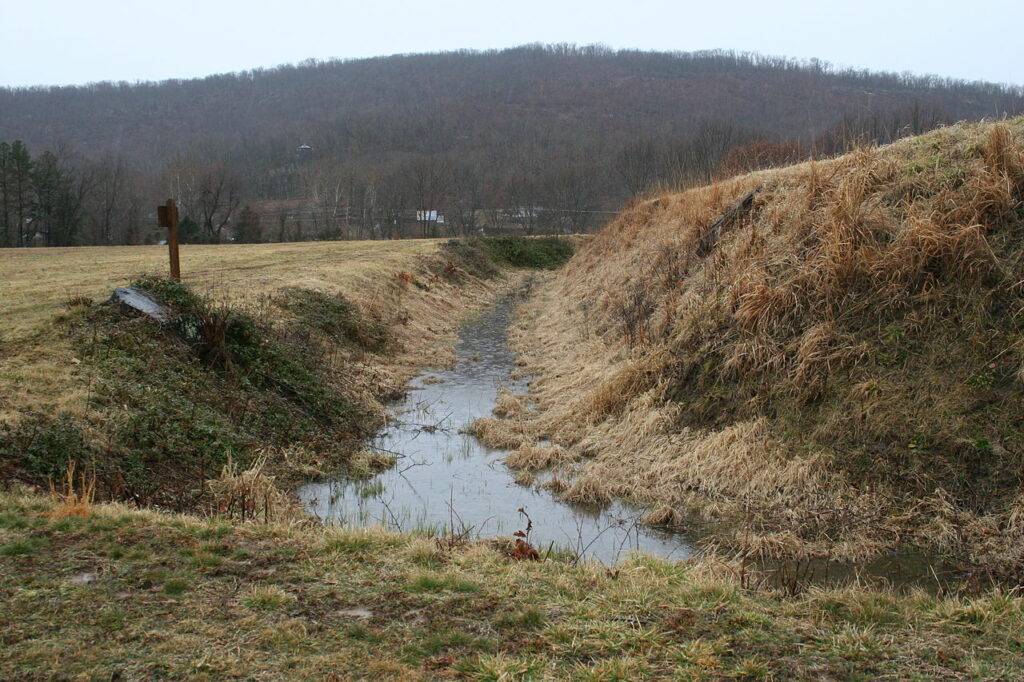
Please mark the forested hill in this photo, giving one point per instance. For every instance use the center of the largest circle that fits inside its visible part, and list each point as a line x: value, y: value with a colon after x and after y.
x: 465, y: 100
x: 433, y: 130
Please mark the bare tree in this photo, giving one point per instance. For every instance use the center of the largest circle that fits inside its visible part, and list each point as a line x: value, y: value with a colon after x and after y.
x: 428, y: 179
x: 466, y: 188
x: 209, y: 192
x: 638, y: 163
x: 324, y: 188
x: 572, y: 196
x: 110, y: 176
x: 218, y: 198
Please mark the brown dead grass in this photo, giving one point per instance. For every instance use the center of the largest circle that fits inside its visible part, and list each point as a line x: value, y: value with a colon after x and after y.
x: 536, y: 457
x: 250, y: 494
x: 36, y: 282
x: 500, y: 434
x: 846, y: 355
x: 74, y: 496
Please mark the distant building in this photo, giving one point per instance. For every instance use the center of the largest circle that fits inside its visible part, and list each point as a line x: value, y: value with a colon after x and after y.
x: 303, y: 153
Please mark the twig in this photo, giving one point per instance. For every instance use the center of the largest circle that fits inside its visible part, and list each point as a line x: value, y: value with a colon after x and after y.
x: 399, y: 455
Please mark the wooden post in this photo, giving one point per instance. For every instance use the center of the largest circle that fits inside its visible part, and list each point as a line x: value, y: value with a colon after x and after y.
x: 167, y: 216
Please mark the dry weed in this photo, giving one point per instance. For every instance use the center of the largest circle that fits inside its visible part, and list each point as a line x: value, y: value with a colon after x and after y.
x: 73, y: 497
x: 250, y: 494
x: 500, y: 434
x: 536, y: 457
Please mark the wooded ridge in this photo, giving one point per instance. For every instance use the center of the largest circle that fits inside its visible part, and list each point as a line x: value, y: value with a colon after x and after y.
x: 534, y: 138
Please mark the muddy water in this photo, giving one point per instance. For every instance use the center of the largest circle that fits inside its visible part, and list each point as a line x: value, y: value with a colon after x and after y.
x: 446, y: 481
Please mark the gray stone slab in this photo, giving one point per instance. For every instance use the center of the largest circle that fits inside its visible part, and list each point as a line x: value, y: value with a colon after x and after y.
x: 142, y: 302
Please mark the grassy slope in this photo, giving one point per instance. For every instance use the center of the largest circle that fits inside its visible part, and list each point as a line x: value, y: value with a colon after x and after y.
x: 38, y: 368
x: 137, y: 594
x: 843, y: 366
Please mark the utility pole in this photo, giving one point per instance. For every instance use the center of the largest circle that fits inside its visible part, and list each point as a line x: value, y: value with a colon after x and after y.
x: 167, y: 216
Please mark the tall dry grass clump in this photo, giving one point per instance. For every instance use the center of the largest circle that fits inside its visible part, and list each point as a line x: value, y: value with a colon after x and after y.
x: 75, y: 495
x: 852, y: 333
x: 249, y: 494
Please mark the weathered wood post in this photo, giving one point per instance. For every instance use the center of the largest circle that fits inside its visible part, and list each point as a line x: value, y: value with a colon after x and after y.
x: 167, y: 216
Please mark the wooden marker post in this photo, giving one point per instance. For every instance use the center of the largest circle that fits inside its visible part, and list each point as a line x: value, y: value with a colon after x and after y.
x: 167, y: 216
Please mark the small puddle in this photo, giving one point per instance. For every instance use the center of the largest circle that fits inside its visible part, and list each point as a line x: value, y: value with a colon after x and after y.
x: 446, y: 480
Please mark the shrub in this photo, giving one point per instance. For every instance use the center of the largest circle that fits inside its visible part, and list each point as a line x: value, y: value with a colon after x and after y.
x: 480, y: 256
x: 528, y: 252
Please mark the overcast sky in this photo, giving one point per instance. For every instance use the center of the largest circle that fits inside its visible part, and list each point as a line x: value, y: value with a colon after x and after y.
x: 78, y: 41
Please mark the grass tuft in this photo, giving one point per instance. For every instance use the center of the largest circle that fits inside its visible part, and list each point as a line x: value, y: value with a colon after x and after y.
x: 74, y: 498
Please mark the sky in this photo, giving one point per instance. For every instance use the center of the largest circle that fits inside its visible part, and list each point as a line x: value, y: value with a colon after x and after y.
x: 60, y: 42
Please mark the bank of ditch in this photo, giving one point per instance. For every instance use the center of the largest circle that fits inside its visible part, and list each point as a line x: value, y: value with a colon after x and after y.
x: 819, y: 363
x: 292, y: 381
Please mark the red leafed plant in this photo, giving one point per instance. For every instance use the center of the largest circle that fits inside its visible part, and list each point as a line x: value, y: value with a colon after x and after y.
x: 524, y: 551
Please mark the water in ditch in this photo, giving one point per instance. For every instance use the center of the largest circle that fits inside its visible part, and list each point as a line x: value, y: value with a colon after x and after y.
x: 446, y: 480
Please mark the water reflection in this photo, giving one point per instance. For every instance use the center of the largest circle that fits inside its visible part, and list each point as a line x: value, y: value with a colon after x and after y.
x: 446, y: 481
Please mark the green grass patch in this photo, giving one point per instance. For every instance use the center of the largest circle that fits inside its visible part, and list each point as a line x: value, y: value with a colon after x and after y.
x: 432, y: 582
x: 356, y: 544
x: 485, y: 256
x: 361, y: 633
x: 176, y: 586
x: 292, y: 614
x: 544, y: 253
x: 21, y: 547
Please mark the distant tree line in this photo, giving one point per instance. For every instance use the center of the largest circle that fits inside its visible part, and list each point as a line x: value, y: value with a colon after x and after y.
x: 536, y: 139
x: 53, y: 200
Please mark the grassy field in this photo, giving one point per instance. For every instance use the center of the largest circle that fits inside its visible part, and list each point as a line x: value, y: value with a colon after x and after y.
x: 107, y: 592
x: 35, y: 282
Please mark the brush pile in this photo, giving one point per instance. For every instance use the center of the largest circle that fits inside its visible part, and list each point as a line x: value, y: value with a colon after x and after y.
x: 841, y: 363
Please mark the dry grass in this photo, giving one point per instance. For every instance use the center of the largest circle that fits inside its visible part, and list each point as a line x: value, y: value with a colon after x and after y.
x: 250, y: 494
x: 500, y: 434
x: 536, y: 457
x: 36, y: 282
x: 73, y: 497
x: 851, y: 345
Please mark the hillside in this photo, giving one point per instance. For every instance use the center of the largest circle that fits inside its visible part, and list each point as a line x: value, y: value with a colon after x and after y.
x: 833, y: 370
x: 572, y: 129
x: 452, y: 101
